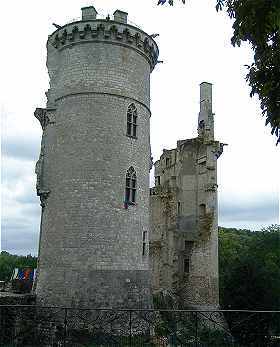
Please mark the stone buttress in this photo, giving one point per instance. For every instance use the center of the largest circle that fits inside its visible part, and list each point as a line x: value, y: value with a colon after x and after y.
x: 93, y: 240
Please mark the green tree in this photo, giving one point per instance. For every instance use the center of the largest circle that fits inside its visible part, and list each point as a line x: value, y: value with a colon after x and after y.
x: 249, y: 265
x: 250, y: 268
x: 9, y: 261
x: 258, y: 23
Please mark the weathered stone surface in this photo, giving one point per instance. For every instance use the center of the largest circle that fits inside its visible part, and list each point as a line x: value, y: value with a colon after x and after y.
x: 90, y: 245
x: 184, y: 227
x: 7, y: 298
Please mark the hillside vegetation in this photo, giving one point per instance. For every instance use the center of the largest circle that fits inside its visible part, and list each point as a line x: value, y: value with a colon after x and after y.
x: 249, y: 265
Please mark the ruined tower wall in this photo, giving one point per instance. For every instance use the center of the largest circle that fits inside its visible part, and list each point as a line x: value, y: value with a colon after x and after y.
x: 90, y: 245
x: 201, y: 286
x: 184, y: 240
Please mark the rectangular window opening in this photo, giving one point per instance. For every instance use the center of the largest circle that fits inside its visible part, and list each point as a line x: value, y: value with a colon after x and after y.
x: 188, y: 245
x: 144, y: 242
x: 179, y: 208
x: 128, y: 128
x: 134, y: 130
x: 144, y: 249
x: 157, y: 180
x: 127, y: 194
x: 186, y: 265
x: 133, y: 191
x: 202, y: 210
x: 144, y: 235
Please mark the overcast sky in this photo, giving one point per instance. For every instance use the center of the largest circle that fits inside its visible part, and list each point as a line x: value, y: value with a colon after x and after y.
x: 194, y: 44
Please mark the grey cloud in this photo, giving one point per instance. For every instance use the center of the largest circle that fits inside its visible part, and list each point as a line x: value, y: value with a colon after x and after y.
x: 31, y: 210
x: 15, y: 170
x: 29, y: 197
x: 20, y: 208
x: 261, y: 209
x: 20, y: 231
x: 19, y: 238
x: 23, y: 147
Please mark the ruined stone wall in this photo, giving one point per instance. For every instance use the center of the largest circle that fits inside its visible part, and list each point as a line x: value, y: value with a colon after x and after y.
x: 186, y: 264
x: 162, y: 239
x: 8, y: 298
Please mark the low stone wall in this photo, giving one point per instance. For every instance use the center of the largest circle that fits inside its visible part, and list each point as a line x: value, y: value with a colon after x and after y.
x: 15, y: 316
x: 7, y: 298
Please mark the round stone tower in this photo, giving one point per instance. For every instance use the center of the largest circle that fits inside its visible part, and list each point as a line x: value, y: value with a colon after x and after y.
x: 93, y: 169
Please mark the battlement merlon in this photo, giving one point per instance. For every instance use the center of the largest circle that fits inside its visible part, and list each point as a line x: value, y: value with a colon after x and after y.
x: 89, y: 13
x: 205, y: 118
x: 117, y: 31
x: 120, y: 16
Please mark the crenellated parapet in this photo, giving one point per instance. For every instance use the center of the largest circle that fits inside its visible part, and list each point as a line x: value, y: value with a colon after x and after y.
x: 106, y: 31
x: 89, y: 165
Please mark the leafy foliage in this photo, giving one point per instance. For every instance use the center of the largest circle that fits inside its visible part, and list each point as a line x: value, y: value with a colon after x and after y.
x: 9, y: 261
x: 258, y: 23
x: 171, y: 2
x: 250, y: 268
x: 250, y: 279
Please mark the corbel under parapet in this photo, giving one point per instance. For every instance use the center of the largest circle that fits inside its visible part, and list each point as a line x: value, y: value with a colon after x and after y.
x: 41, y: 115
x: 97, y: 30
x: 43, y: 194
x: 219, y: 149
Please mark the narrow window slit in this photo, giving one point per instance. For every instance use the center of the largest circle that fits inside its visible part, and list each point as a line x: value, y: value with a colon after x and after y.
x: 186, y: 265
x: 144, y: 243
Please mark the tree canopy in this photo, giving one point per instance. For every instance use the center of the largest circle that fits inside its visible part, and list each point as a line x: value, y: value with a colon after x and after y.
x: 258, y: 23
x: 249, y: 266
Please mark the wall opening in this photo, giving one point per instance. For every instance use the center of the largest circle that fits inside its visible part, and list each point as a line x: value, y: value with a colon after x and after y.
x: 179, y: 206
x: 144, y: 250
x: 130, y: 186
x: 157, y: 180
x: 186, y: 266
x: 188, y: 245
x: 131, y: 121
x: 202, y: 210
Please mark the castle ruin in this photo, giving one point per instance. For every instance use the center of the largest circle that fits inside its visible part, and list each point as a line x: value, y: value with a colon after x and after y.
x: 98, y: 218
x: 184, y: 220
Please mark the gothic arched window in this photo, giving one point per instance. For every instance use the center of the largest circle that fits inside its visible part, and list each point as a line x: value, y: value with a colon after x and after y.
x: 130, y: 186
x: 131, y: 120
